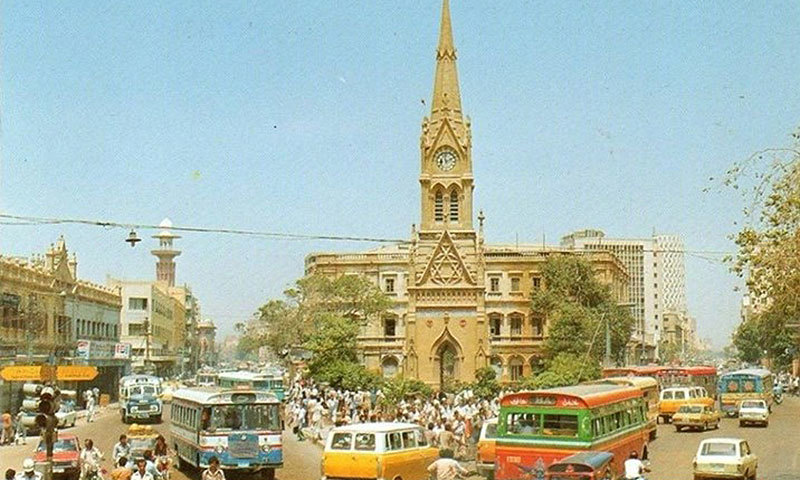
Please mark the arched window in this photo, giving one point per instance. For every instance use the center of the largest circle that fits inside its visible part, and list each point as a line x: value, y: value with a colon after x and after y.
x: 389, y: 367
x: 515, y: 369
x: 454, y: 206
x: 438, y: 207
x: 497, y: 365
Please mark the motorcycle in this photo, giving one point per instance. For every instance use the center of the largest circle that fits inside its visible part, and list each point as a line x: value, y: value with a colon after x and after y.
x: 778, y: 397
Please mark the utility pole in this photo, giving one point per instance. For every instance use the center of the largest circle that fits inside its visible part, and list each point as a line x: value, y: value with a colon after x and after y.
x: 146, y: 343
x: 608, y: 343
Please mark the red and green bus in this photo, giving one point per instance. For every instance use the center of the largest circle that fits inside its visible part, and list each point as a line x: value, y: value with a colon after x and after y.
x: 538, y: 428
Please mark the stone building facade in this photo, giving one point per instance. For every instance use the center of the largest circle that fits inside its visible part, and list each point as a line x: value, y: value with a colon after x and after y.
x: 459, y: 303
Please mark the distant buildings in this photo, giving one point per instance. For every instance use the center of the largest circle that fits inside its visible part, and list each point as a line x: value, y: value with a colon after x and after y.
x: 656, y: 291
x: 47, y: 312
x: 160, y: 320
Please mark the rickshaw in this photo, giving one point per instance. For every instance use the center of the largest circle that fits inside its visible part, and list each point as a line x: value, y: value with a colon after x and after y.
x: 140, y: 438
x: 583, y: 466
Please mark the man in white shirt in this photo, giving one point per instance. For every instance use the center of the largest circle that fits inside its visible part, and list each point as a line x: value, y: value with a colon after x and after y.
x: 634, y: 468
x: 141, y: 472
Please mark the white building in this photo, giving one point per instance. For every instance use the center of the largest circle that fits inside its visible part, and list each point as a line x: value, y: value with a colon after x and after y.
x: 657, y: 280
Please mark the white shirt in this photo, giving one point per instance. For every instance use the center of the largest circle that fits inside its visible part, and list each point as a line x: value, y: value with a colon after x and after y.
x: 633, y: 468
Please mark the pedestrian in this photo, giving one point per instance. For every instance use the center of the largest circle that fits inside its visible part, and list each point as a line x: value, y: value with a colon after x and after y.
x: 28, y: 471
x: 7, y: 435
x: 121, y: 449
x: 88, y: 395
x: 141, y: 472
x: 10, y: 474
x: 213, y: 472
x: 90, y: 460
x: 445, y: 468
x: 121, y: 472
x: 21, y: 434
x: 634, y: 468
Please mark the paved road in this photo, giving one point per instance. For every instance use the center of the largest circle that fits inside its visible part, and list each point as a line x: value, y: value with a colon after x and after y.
x: 778, y: 447
x: 301, y: 459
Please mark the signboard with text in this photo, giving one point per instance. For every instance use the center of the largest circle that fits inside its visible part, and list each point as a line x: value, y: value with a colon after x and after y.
x: 122, y: 350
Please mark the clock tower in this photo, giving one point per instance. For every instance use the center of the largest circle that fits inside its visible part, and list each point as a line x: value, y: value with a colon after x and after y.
x: 446, y: 181
x: 446, y: 332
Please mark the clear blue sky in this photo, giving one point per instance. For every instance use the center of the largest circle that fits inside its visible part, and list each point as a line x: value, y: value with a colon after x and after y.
x: 305, y: 117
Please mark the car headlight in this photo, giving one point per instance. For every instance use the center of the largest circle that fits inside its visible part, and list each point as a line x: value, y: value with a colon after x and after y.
x: 219, y: 449
x: 266, y: 448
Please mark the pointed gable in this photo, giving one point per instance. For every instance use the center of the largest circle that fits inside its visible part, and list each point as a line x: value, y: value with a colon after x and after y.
x: 445, y: 266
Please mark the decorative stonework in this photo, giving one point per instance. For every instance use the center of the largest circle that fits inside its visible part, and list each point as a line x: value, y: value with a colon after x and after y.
x: 446, y: 267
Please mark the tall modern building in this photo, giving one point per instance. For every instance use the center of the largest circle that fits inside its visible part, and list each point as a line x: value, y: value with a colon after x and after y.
x: 657, y: 288
x: 459, y: 303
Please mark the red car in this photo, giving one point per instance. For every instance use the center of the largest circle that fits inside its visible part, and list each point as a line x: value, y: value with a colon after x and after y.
x: 66, y: 456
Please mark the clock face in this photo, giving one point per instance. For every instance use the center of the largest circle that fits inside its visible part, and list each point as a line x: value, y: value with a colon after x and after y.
x: 446, y: 159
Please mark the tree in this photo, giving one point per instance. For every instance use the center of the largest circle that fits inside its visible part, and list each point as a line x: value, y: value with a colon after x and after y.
x: 768, y: 255
x: 577, y: 307
x: 485, y: 384
x: 323, y: 315
x: 564, y: 369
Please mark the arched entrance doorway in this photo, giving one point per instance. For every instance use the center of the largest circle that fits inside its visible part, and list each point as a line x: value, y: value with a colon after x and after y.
x: 448, y: 364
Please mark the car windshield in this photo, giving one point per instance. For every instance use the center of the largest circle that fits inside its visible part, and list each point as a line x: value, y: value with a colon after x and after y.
x: 690, y: 409
x: 141, y: 444
x: 60, y: 446
x: 142, y: 390
x: 241, y: 417
x: 721, y: 449
x: 752, y: 404
x: 491, y: 430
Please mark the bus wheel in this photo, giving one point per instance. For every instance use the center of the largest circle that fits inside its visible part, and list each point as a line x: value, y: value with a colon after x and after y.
x: 268, y: 474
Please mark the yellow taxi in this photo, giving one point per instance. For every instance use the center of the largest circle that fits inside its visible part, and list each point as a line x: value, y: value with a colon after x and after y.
x: 377, y: 451
x: 484, y: 458
x: 695, y: 415
x: 674, y: 397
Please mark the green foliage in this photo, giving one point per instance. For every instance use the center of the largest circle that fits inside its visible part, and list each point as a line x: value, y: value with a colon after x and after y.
x: 577, y: 307
x: 485, y: 384
x: 565, y: 369
x: 401, y: 388
x: 323, y: 315
x: 768, y: 256
x: 346, y: 374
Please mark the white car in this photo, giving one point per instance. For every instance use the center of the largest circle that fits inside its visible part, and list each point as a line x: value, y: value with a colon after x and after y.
x: 725, y: 458
x: 753, y: 412
x: 66, y: 416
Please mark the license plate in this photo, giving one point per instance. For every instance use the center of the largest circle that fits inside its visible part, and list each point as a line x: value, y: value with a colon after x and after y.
x: 718, y: 467
x: 58, y: 470
x: 142, y: 415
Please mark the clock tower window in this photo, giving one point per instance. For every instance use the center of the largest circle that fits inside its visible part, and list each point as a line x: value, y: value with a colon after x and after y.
x: 454, y: 206
x: 438, y: 207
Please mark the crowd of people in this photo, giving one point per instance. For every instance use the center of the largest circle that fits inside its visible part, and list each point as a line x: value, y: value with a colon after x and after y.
x: 451, y: 421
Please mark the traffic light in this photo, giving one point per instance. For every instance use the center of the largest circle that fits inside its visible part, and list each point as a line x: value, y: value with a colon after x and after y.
x: 49, y: 403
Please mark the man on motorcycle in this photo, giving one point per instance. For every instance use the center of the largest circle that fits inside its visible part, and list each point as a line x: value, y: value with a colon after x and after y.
x: 141, y: 472
x: 634, y: 468
x: 121, y: 449
x: 90, y: 461
x: 28, y: 471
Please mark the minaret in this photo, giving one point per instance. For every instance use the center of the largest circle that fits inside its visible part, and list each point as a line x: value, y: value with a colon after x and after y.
x: 446, y: 181
x: 165, y: 267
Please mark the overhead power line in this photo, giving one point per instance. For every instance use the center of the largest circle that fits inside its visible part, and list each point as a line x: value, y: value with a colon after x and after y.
x: 25, y: 220
x: 28, y: 220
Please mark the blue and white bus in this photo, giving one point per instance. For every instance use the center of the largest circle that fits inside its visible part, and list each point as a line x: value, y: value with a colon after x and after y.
x: 241, y: 427
x: 139, y: 398
x: 256, y: 381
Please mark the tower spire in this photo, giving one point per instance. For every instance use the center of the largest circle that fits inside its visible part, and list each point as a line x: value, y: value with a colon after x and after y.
x: 446, y: 95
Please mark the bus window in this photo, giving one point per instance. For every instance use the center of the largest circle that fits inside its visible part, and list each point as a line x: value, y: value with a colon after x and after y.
x: 409, y: 440
x: 365, y: 441
x: 680, y: 395
x: 666, y: 395
x: 341, y: 441
x: 561, y: 425
x: 523, y: 424
x: 394, y: 441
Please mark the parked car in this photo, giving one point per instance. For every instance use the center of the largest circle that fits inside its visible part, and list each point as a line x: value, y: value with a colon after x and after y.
x: 66, y: 456
x: 725, y: 458
x: 695, y: 416
x: 66, y: 415
x: 753, y: 412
